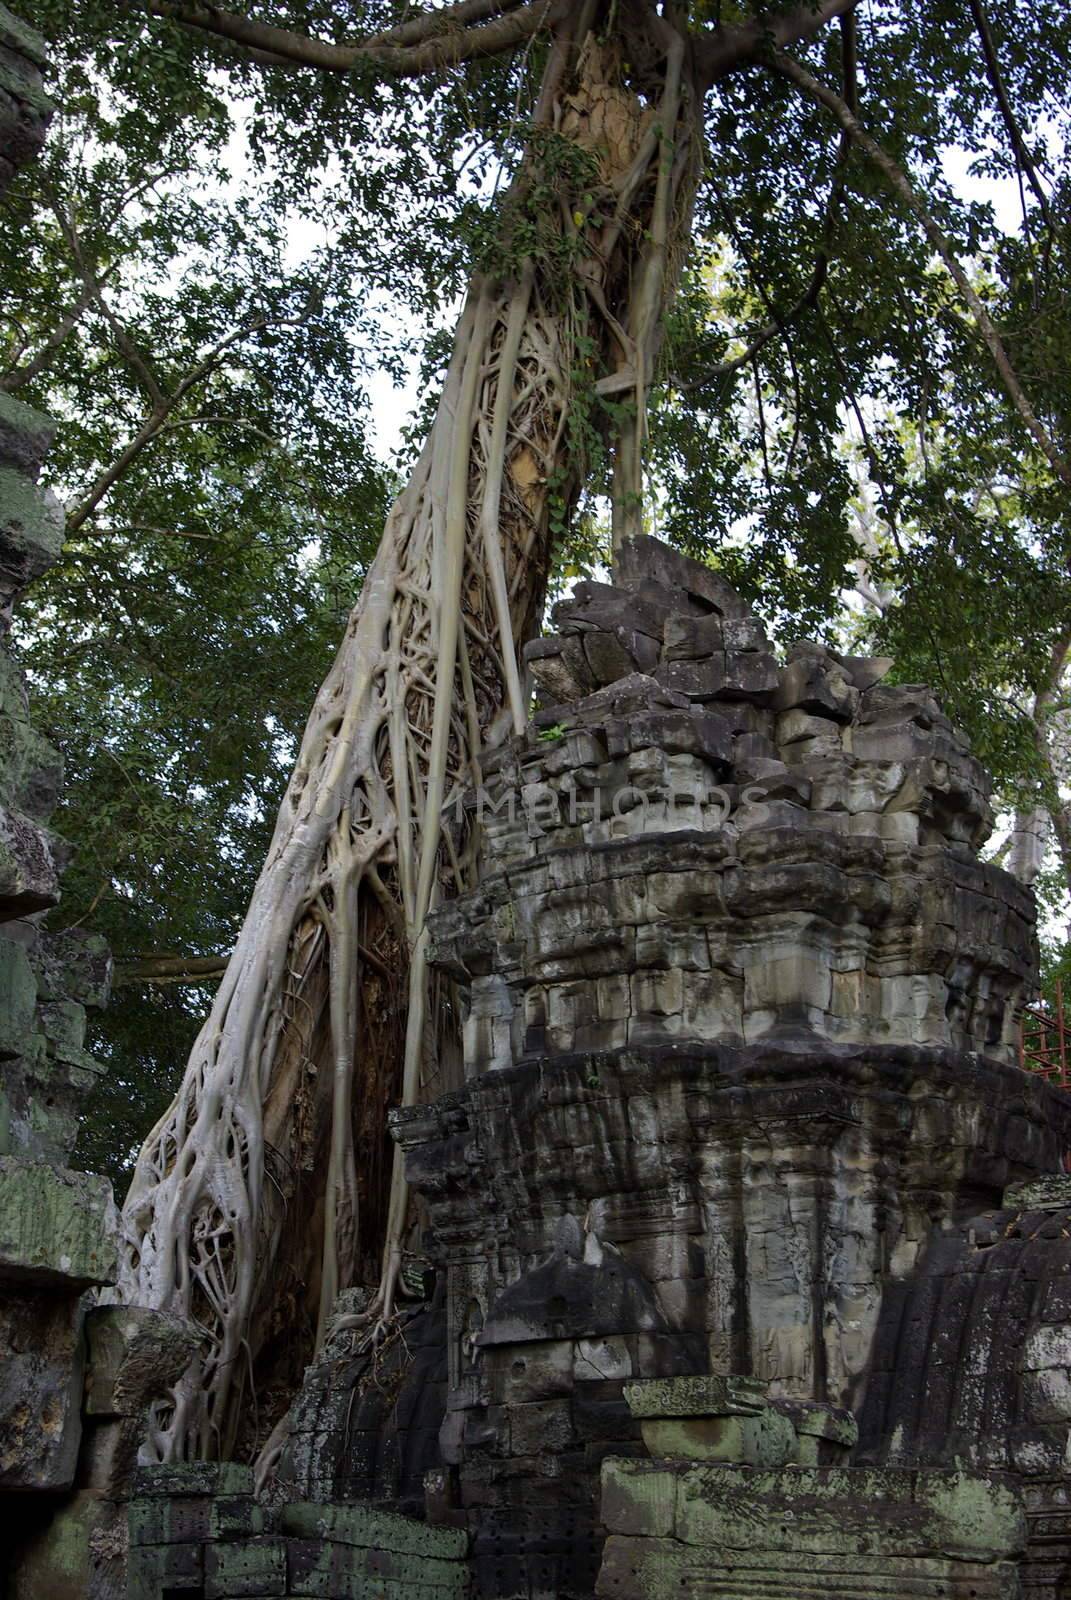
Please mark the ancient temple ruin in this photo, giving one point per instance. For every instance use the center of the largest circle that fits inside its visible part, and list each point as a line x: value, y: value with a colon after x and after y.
x: 748, y: 1239
x: 749, y: 1235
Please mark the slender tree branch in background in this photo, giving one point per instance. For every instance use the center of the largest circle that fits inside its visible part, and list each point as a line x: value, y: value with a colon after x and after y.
x: 1022, y: 154
x: 156, y: 421
x: 850, y: 58
x: 780, y: 323
x: 126, y: 346
x: 169, y: 969
x: 899, y: 183
x: 18, y: 375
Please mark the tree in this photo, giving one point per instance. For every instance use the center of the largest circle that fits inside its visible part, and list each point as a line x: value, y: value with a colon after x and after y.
x: 222, y: 506
x: 555, y: 354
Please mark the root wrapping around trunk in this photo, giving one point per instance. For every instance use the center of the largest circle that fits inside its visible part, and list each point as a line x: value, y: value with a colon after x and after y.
x: 255, y: 1198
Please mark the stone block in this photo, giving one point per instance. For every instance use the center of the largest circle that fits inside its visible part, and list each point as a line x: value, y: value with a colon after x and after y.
x: 776, y: 980
x: 655, y: 1569
x: 604, y: 605
x: 536, y: 1370
x: 560, y: 668
x: 31, y: 530
x: 702, y: 679
x: 18, y: 985
x: 40, y: 1387
x: 691, y: 638
x: 656, y: 993
x: 541, y: 1427
x: 57, y: 1228
x: 156, y: 1570
x: 179, y: 1520
x: 702, y: 1395
x: 193, y: 1478
x: 600, y: 1360
x: 767, y: 1439
x: 609, y: 658
x: 638, y: 1498
x: 79, y: 1554
x: 954, y: 1515
x: 817, y: 686
x: 25, y: 436
x: 1050, y: 1193
x: 750, y: 676
x: 373, y: 1529
x: 29, y: 866
x: 251, y: 1567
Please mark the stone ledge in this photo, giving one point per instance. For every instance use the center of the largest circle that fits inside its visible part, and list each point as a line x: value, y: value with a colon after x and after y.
x: 713, y: 1396
x: 381, y: 1530
x: 887, y: 1512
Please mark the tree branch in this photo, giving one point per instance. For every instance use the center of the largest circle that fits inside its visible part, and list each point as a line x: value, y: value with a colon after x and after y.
x: 901, y: 186
x: 22, y: 374
x: 440, y: 39
x: 780, y: 323
x: 718, y: 54
x: 429, y: 23
x: 996, y: 79
x: 123, y: 342
x: 156, y: 419
x: 169, y: 969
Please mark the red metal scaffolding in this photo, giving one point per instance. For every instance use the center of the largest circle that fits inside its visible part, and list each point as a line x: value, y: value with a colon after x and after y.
x: 1043, y: 1039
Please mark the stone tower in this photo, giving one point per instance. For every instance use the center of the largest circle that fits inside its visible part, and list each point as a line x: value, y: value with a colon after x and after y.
x: 741, y: 1057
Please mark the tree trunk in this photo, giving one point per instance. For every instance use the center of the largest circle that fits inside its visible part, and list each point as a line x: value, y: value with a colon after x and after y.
x: 249, y: 1207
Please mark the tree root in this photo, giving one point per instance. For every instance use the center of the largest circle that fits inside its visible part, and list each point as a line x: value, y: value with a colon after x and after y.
x: 428, y: 663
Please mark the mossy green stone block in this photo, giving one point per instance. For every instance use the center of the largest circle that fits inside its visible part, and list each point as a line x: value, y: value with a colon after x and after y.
x: 765, y: 1440
x: 377, y: 1530
x: 193, y: 1478
x: 252, y: 1567
x: 153, y: 1570
x: 871, y: 1511
x: 63, y: 1023
x: 663, y: 1569
x: 19, y: 36
x: 979, y: 1516
x: 25, y: 434
x: 1050, y: 1193
x: 18, y: 988
x: 56, y: 1227
x: 29, y: 876
x: 638, y: 1497
x: 388, y: 1565
x: 236, y: 1517
x: 174, y: 1521
x: 325, y: 1568
x: 702, y: 1395
x: 31, y: 526
x: 31, y: 769
x: 311, y: 1567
